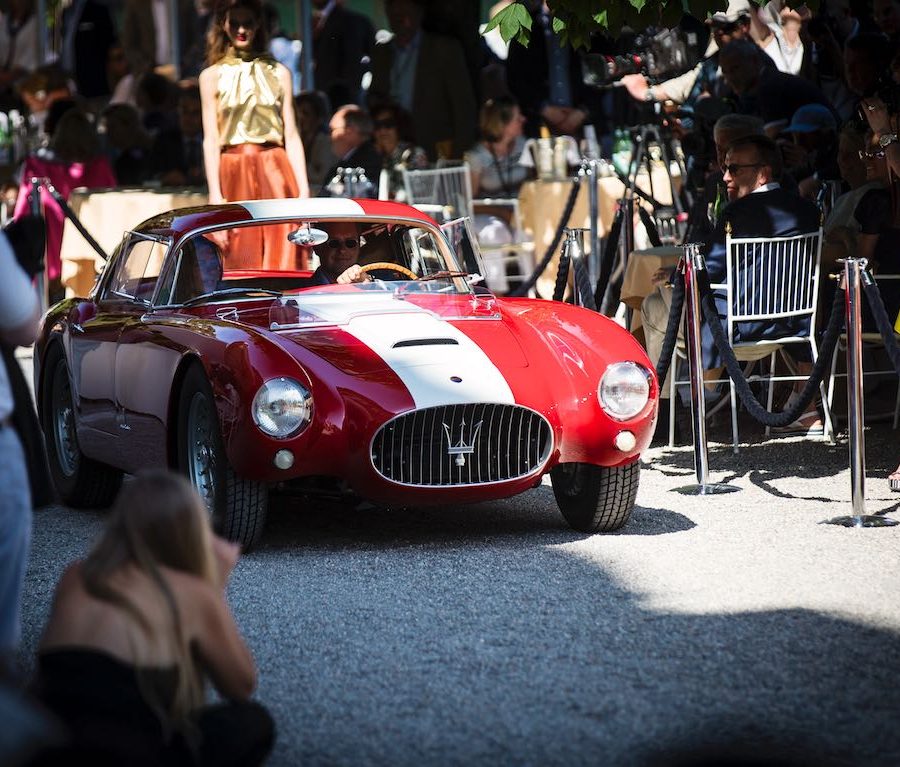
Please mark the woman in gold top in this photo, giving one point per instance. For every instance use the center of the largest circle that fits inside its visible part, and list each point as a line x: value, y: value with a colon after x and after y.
x: 251, y: 147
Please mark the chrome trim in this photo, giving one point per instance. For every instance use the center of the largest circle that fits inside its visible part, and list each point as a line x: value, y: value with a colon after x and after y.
x: 487, y: 436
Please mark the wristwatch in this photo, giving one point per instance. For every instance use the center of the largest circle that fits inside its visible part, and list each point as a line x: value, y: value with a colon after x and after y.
x: 887, y: 139
x: 648, y: 96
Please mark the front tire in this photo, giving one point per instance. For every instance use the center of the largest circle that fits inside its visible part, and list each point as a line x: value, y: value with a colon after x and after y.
x: 595, y: 499
x: 237, y: 506
x: 81, y: 482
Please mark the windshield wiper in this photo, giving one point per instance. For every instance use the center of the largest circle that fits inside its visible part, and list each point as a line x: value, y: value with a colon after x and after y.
x: 443, y: 275
x: 230, y: 292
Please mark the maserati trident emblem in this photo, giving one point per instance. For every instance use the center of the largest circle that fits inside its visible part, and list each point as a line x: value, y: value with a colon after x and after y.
x: 462, y: 448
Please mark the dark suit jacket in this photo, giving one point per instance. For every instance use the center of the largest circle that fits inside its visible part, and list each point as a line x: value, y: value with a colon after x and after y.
x: 170, y: 152
x: 339, y: 48
x: 364, y: 156
x: 443, y: 104
x: 139, y: 33
x: 94, y: 34
x: 775, y: 213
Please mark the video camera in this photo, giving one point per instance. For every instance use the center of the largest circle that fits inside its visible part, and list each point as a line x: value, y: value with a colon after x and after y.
x: 658, y: 54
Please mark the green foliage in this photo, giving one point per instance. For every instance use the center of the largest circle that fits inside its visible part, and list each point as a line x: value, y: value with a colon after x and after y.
x: 576, y: 20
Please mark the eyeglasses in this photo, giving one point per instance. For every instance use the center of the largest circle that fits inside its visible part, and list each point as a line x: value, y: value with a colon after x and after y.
x: 384, y: 124
x: 733, y: 168
x: 348, y: 243
x: 864, y: 154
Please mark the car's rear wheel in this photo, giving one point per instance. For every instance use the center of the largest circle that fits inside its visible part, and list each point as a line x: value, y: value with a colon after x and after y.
x: 595, y: 499
x: 238, y: 506
x: 80, y: 481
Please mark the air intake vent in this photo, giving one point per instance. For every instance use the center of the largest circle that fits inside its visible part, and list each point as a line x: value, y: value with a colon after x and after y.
x: 470, y: 444
x: 427, y: 342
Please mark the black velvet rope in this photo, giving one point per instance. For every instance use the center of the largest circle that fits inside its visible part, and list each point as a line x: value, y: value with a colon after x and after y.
x: 650, y: 226
x: 609, y: 257
x: 562, y: 275
x: 583, y: 285
x: 882, y: 321
x: 671, y: 337
x: 826, y: 350
x: 527, y: 285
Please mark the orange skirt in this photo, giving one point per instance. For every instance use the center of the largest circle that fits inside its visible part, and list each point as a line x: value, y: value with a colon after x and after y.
x: 259, y: 172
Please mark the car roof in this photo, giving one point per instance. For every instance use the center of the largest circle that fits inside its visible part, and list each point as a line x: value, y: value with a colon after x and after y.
x: 177, y: 223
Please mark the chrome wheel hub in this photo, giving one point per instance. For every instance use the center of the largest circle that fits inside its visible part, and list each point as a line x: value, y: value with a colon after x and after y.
x: 201, y: 457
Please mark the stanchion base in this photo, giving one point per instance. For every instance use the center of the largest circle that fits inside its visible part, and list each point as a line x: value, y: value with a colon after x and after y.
x: 866, y: 520
x: 708, y: 489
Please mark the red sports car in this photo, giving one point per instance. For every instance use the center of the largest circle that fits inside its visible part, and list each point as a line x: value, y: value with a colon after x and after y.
x: 211, y: 344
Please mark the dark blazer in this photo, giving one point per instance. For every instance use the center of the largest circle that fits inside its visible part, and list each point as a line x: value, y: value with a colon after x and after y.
x: 339, y: 48
x: 171, y: 152
x: 775, y: 213
x: 365, y: 156
x: 443, y: 104
x: 92, y: 38
x: 139, y: 33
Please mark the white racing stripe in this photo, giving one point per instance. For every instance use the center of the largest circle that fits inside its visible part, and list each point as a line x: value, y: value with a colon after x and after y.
x: 428, y: 370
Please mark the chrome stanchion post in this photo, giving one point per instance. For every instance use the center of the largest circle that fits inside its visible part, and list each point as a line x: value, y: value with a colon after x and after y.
x: 856, y: 403
x: 693, y: 261
x: 41, y: 283
x: 592, y: 178
x: 574, y: 249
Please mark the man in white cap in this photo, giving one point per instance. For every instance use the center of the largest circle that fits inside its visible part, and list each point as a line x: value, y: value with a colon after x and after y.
x: 705, y: 79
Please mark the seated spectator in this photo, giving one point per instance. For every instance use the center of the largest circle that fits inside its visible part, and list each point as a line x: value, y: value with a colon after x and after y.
x: 811, y: 157
x: 73, y: 159
x: 338, y: 256
x: 128, y: 143
x: 866, y: 59
x: 761, y: 89
x: 121, y: 79
x: 312, y: 110
x: 176, y: 156
x: 157, y: 98
x: 392, y: 132
x: 758, y: 207
x: 136, y: 629
x: 351, y: 142
x: 40, y: 90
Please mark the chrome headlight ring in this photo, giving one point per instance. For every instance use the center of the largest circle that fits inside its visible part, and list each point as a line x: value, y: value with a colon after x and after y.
x: 282, y: 407
x: 624, y: 390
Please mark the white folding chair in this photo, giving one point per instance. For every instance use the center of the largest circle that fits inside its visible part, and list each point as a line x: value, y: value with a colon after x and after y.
x: 450, y: 187
x: 769, y: 279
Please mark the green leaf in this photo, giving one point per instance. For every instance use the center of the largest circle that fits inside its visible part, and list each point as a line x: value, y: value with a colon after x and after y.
x: 522, y: 16
x: 509, y: 24
x: 601, y: 19
x: 559, y: 25
x: 638, y: 5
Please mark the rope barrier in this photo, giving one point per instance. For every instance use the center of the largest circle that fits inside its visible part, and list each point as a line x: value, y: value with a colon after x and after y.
x: 609, y: 257
x: 562, y: 275
x: 671, y: 337
x: 527, y: 285
x: 583, y: 285
x: 876, y: 304
x: 650, y: 226
x: 757, y: 410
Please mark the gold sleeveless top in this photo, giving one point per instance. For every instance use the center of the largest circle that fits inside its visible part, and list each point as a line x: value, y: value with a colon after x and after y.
x: 250, y: 99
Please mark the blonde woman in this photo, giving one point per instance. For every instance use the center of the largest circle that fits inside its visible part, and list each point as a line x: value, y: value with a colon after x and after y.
x: 135, y: 630
x: 251, y: 147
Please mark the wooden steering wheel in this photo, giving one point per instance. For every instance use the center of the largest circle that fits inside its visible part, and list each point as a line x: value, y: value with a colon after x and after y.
x: 391, y: 266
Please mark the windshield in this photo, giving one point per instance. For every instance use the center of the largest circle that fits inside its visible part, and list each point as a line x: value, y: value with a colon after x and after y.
x: 352, y: 256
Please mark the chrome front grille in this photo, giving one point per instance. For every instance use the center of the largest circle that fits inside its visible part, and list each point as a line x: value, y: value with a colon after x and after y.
x: 461, y: 445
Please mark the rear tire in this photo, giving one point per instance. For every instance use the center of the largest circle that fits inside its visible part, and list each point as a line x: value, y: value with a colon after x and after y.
x: 238, y: 506
x: 595, y: 499
x: 80, y: 481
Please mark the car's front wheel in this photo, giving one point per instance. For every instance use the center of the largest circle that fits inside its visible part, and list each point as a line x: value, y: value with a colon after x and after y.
x: 238, y: 506
x: 80, y: 481
x: 595, y: 499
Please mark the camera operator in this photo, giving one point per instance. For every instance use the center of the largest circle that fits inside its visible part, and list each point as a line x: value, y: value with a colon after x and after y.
x: 705, y: 79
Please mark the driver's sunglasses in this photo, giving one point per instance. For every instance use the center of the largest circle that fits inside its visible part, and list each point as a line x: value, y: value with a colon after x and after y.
x: 348, y: 243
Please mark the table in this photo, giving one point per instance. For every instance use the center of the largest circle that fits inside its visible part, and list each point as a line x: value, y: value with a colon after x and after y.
x: 637, y: 281
x: 541, y: 205
x: 107, y: 214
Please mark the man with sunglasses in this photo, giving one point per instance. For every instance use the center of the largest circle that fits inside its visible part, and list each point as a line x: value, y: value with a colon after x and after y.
x: 338, y: 256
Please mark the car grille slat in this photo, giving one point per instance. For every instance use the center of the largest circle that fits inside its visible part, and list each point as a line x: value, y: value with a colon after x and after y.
x: 471, y: 444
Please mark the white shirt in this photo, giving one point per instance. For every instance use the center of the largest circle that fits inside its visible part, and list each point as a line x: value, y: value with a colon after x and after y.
x: 18, y: 302
x: 161, y: 23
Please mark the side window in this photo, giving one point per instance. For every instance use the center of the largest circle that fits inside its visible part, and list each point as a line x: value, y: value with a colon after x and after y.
x: 138, y: 269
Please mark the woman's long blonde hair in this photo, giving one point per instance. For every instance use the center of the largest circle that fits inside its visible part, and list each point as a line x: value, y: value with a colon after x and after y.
x: 217, y: 42
x: 158, y: 521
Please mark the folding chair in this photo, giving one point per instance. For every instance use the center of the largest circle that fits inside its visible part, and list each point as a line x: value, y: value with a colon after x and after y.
x: 450, y: 188
x: 769, y: 279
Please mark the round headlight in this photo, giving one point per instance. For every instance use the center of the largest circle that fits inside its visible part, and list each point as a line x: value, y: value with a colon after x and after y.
x: 282, y: 407
x: 624, y: 390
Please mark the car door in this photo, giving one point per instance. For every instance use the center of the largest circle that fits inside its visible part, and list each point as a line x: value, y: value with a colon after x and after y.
x: 144, y: 365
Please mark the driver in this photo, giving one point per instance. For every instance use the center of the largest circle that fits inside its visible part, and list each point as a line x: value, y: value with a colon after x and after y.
x: 338, y: 255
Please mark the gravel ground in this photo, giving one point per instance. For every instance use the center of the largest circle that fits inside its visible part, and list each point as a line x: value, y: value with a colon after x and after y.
x: 492, y: 634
